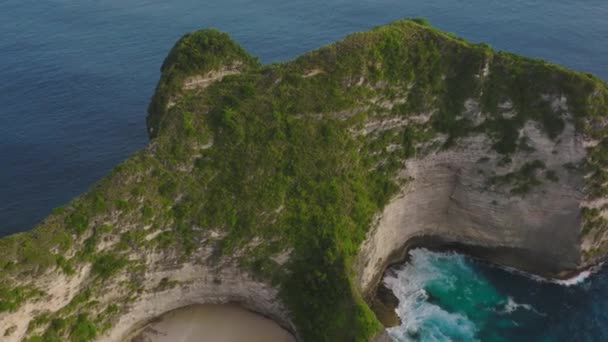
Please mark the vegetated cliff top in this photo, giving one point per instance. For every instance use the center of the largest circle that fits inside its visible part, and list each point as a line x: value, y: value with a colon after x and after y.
x: 277, y: 162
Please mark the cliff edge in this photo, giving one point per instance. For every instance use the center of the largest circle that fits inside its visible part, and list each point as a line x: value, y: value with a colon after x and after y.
x: 289, y: 188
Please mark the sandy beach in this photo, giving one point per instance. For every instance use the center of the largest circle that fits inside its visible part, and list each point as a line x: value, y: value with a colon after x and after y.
x: 213, y: 323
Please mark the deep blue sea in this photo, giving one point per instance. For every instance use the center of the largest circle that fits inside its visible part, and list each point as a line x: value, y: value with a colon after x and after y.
x: 76, y: 77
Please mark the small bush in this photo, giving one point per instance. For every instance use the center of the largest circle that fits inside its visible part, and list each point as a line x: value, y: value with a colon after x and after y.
x: 83, y: 330
x: 78, y: 222
x: 12, y: 298
x: 106, y: 265
x: 122, y: 205
x: 65, y: 265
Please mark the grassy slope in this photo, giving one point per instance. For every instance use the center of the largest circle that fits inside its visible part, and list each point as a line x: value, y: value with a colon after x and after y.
x: 285, y: 166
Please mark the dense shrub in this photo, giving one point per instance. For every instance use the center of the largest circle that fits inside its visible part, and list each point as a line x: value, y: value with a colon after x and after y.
x: 106, y: 265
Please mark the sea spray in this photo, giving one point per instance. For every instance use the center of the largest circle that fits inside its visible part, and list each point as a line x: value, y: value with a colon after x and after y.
x: 443, y: 298
x: 450, y: 297
x: 578, y: 279
x: 422, y: 318
x: 511, y: 306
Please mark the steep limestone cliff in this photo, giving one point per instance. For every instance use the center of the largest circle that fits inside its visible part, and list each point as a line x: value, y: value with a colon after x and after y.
x: 450, y: 198
x: 290, y: 188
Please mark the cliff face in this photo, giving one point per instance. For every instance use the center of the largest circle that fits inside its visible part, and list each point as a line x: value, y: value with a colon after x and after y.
x: 449, y: 196
x: 289, y: 188
x: 167, y: 283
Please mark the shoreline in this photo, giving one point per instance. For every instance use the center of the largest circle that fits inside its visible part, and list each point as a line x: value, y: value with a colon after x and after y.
x: 218, y: 322
x: 383, y: 301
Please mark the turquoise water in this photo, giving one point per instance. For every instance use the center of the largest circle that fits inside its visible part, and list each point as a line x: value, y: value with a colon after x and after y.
x: 450, y: 297
x: 76, y: 77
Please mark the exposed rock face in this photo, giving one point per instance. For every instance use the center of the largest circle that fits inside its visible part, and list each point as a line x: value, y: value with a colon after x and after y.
x: 200, y: 82
x: 60, y: 290
x: 167, y: 284
x: 203, y: 81
x: 447, y: 195
x: 200, y: 284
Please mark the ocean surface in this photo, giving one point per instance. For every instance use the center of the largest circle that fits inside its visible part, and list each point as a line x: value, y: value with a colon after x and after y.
x: 451, y: 297
x: 76, y: 77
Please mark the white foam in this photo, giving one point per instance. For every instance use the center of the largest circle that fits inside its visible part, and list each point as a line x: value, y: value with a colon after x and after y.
x: 576, y: 280
x: 511, y: 306
x: 579, y: 279
x: 422, y: 320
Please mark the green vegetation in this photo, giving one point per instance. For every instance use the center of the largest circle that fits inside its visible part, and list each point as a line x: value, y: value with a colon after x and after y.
x: 77, y: 328
x: 596, y: 166
x: 78, y: 222
x: 83, y: 329
x: 65, y: 265
x: 106, y: 265
x: 273, y: 153
x: 195, y: 54
x: 526, y: 83
x: 12, y: 298
x: 593, y: 221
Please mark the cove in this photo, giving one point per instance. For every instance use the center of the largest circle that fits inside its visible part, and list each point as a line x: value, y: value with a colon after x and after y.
x: 449, y: 296
x: 212, y: 322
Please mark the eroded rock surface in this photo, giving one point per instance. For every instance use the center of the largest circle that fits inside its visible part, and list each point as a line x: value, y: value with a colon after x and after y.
x: 448, y: 195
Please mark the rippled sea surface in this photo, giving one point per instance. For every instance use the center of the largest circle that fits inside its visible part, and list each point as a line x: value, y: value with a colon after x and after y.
x: 76, y: 77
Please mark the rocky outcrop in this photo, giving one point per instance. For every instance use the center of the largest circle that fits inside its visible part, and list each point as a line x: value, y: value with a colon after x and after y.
x: 290, y: 188
x: 168, y: 283
x: 448, y: 196
x: 200, y: 82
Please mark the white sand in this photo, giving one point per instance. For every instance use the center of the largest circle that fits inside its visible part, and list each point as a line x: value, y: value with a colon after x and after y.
x: 213, y: 323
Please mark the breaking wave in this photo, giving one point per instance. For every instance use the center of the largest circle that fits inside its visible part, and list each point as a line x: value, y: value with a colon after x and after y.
x: 444, y: 297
